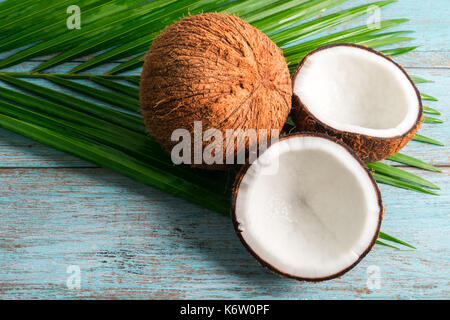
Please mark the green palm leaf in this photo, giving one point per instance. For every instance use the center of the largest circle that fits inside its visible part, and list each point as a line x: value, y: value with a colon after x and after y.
x: 129, y: 121
x: 141, y: 44
x: 385, y: 236
x: 155, y: 12
x: 272, y: 21
x: 394, y: 172
x: 312, y: 27
x: 422, y: 138
x: 411, y: 161
x: 419, y: 79
x: 110, y: 23
x: 52, y: 26
x: 267, y: 24
x: 431, y: 111
x: 398, y: 51
x: 431, y: 120
x: 130, y: 91
x: 386, y: 245
x: 114, y: 135
x: 382, y: 178
x: 428, y: 97
x: 355, y: 35
x: 110, y: 97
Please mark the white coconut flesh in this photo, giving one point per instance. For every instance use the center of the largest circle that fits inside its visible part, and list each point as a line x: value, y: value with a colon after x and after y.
x: 355, y: 90
x: 310, y: 214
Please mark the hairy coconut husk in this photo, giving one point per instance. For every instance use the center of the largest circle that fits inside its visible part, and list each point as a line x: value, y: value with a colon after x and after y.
x: 368, y: 148
x: 218, y: 69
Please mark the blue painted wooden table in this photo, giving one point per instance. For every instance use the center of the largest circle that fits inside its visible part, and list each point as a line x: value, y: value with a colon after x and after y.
x: 61, y: 217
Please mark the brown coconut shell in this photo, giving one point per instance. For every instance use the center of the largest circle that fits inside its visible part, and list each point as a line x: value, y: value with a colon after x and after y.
x: 218, y: 69
x: 235, y: 191
x: 367, y: 147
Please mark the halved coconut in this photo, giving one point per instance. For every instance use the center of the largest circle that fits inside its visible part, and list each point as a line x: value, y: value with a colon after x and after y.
x: 307, y: 208
x: 359, y: 96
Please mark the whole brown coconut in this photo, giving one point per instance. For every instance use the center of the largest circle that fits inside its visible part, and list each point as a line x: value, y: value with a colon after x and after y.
x: 217, y: 69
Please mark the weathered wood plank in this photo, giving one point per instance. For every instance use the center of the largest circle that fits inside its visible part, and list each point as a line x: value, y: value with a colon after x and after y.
x: 132, y: 241
x: 18, y: 151
x: 417, y: 60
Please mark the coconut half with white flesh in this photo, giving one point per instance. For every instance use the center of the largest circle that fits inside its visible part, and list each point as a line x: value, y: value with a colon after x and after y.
x: 359, y: 96
x: 307, y: 208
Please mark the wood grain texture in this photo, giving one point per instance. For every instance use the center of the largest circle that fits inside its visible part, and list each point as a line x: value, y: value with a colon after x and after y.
x: 152, y: 245
x: 132, y: 241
